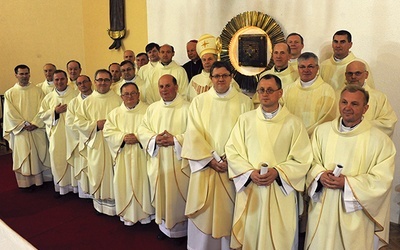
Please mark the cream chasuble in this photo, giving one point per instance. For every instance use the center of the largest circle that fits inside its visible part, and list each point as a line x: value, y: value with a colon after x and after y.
x: 367, y: 157
x: 168, y: 183
x: 46, y: 87
x: 131, y: 185
x: 147, y: 70
x: 211, y: 194
x: 30, y: 152
x: 99, y: 161
x: 264, y: 217
x: 56, y: 133
x: 77, y: 161
x: 314, y: 105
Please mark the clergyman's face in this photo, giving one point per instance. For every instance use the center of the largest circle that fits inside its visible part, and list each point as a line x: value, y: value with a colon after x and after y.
x: 141, y: 60
x: 191, y: 51
x: 281, y: 55
x: 308, y: 69
x: 221, y: 79
x: 73, y: 70
x: 128, y: 71
x: 352, y: 107
x: 23, y: 76
x: 269, y: 102
x: 341, y: 46
x: 129, y: 55
x: 130, y: 95
x: 166, y: 54
x: 48, y: 71
x: 295, y: 45
x: 84, y: 85
x: 115, y: 71
x: 168, y: 90
x: 60, y: 81
x: 102, y: 82
x: 356, y: 73
x: 207, y: 60
x: 153, y: 55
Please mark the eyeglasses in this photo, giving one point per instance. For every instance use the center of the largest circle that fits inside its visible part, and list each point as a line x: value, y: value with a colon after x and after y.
x: 106, y: 80
x: 269, y: 91
x: 224, y: 76
x: 129, y: 94
x: 357, y: 73
x: 307, y: 67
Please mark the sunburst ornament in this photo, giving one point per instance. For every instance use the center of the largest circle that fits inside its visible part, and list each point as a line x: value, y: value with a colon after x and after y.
x: 243, y: 38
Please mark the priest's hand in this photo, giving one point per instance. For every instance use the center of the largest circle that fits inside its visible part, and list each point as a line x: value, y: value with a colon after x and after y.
x: 219, y: 166
x: 130, y: 139
x: 328, y: 180
x: 61, y: 108
x: 264, y: 179
x: 100, y: 124
x: 165, y: 139
x: 30, y: 127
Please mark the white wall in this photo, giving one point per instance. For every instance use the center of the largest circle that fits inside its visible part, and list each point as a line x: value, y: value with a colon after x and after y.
x: 373, y: 24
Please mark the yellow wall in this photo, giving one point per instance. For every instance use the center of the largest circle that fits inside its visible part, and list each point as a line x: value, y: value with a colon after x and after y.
x: 41, y: 31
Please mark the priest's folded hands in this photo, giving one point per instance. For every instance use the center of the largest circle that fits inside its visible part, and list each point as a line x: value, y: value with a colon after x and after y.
x: 264, y: 179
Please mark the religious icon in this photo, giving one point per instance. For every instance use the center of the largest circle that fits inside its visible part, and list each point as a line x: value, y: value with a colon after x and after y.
x: 253, y: 50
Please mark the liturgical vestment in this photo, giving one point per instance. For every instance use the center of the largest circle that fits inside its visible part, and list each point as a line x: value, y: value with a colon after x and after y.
x: 95, y: 150
x: 168, y: 183
x: 349, y: 218
x: 56, y: 133
x: 211, y: 194
x: 314, y: 104
x: 131, y: 185
x: 265, y: 217
x: 77, y: 161
x: 31, y: 161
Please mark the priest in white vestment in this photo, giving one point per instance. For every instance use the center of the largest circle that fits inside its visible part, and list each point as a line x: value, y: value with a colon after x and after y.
x: 200, y: 83
x: 53, y: 111
x: 166, y: 66
x: 310, y: 98
x: 269, y: 154
x: 146, y: 71
x: 332, y: 69
x: 380, y: 113
x: 350, y: 180
x: 77, y: 161
x: 161, y: 135
x: 90, y: 119
x: 25, y: 131
x: 131, y: 183
x: 211, y: 194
